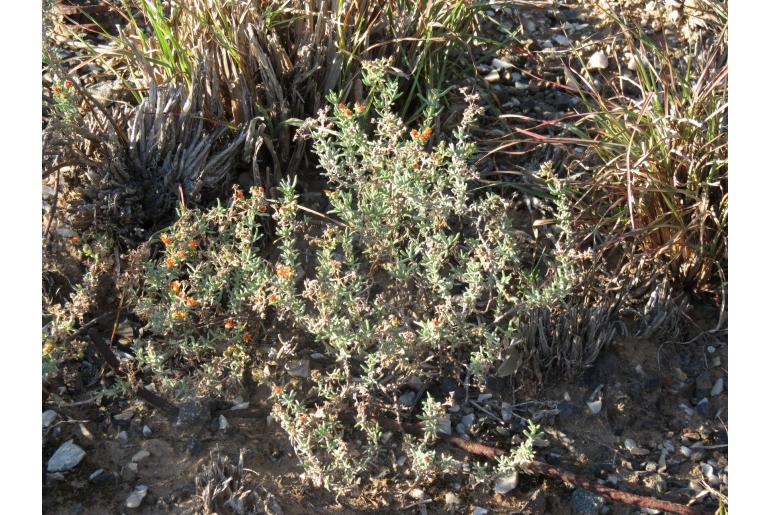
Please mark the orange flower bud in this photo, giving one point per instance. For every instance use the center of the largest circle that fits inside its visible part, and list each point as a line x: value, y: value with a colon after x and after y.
x: 67, y: 83
x: 246, y: 337
x: 176, y: 286
x: 261, y: 189
x: 181, y: 255
x: 179, y: 315
x: 414, y: 133
x: 166, y: 239
x: 193, y: 244
x: 238, y: 195
x: 284, y: 272
x: 229, y: 323
x: 191, y: 302
x: 169, y: 262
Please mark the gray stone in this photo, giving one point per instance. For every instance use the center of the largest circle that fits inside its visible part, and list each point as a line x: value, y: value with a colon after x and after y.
x: 585, y: 502
x: 146, y: 431
x: 407, y: 399
x: 493, y: 76
x: 299, y: 368
x: 137, y: 496
x: 48, y: 417
x: 224, y: 425
x: 718, y: 387
x: 561, y: 39
x: 505, y: 484
x: 595, y: 407
x: 193, y: 412
x: 66, y: 457
x: 480, y: 511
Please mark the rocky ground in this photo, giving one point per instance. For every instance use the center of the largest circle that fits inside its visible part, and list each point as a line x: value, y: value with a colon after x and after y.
x: 650, y: 416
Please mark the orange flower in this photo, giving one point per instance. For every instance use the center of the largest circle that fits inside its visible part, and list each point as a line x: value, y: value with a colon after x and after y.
x: 229, y: 323
x: 277, y: 390
x: 56, y: 89
x: 193, y: 244
x: 75, y: 239
x: 341, y: 106
x: 181, y: 255
x: 165, y: 238
x: 415, y: 165
x: 302, y: 418
x: 414, y: 133
x: 261, y: 189
x: 426, y: 134
x: 246, y: 337
x: 178, y: 314
x: 360, y: 107
x: 272, y: 297
x: 191, y: 302
x: 67, y: 83
x: 284, y: 272
x: 262, y: 209
x: 238, y: 195
x: 176, y: 286
x: 169, y: 262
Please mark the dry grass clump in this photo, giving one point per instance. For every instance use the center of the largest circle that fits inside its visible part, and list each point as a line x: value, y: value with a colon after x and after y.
x: 662, y: 140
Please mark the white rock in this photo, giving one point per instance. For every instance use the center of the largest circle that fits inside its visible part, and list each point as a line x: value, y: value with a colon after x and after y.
x: 595, y: 407
x: 673, y: 16
x: 598, y: 61
x: 505, y: 484
x: 521, y: 85
x: 417, y: 494
x: 451, y: 499
x: 66, y: 457
x: 240, y: 405
x: 139, y: 456
x: 485, y: 397
x: 634, y: 449
x: 492, y: 77
x: 65, y: 232
x: 480, y: 511
x: 137, y: 496
x: 561, y: 39
x: 685, y: 451
x: 718, y: 387
x: 224, y: 425
x: 146, y: 431
x: 501, y: 63
x: 506, y: 413
x: 48, y: 417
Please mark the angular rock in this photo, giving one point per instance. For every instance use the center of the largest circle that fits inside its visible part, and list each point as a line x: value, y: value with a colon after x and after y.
x: 146, y: 431
x: 66, y: 457
x: 718, y: 387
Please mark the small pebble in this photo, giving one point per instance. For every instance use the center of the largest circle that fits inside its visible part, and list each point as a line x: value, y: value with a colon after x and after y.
x: 718, y: 387
x: 123, y: 438
x: 240, y: 405
x: 561, y: 39
x: 139, y: 456
x: 598, y: 61
x: 505, y: 484
x: 468, y: 419
x: 685, y: 451
x: 146, y: 431
x: 595, y: 407
x: 48, y: 417
x: 492, y: 77
x: 224, y: 425
x: 417, y: 494
x: 137, y: 496
x: 451, y: 499
x: 125, y: 416
x: 634, y: 449
x: 485, y: 397
x: 501, y: 63
x: 480, y: 511
x: 66, y: 457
